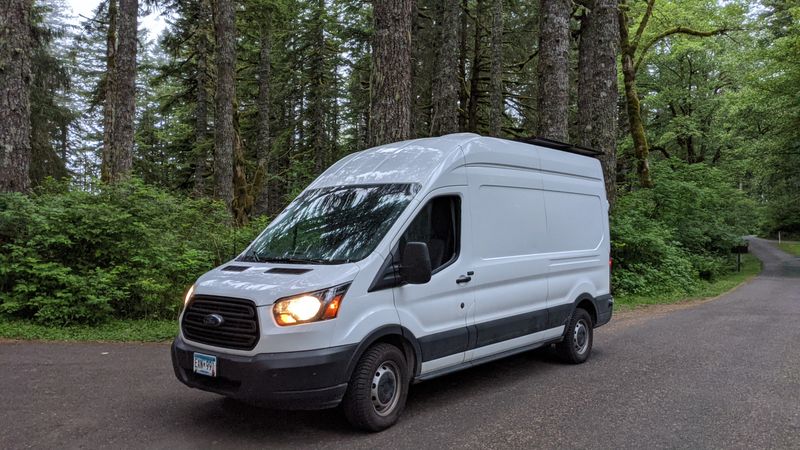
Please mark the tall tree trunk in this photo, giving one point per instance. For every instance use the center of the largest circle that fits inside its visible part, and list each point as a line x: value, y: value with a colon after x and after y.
x: 472, y: 114
x: 553, y: 70
x: 277, y: 188
x: 15, y: 108
x: 445, y: 90
x: 263, y: 142
x: 121, y: 159
x: 390, y: 84
x: 316, y: 101
x: 109, y: 93
x: 496, y: 75
x: 463, y: 94
x: 202, y: 48
x: 242, y: 203
x: 64, y: 143
x: 641, y: 148
x: 224, y: 136
x: 424, y: 35
x: 597, y: 86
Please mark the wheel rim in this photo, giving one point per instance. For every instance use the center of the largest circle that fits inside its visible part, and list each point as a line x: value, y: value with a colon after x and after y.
x: 385, y: 390
x: 581, y: 337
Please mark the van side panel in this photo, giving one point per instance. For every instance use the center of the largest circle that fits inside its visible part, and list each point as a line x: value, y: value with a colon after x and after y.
x: 574, y: 221
x: 578, y: 237
x: 510, y: 280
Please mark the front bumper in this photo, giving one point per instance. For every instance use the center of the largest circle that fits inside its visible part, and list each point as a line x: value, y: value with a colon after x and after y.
x: 313, y: 379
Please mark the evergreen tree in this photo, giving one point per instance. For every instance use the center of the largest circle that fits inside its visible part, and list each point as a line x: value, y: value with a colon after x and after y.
x: 445, y: 91
x: 15, y: 108
x: 120, y: 90
x: 597, y: 86
x: 497, y: 94
x: 224, y: 98
x: 553, y: 72
x: 51, y: 82
x: 390, y: 84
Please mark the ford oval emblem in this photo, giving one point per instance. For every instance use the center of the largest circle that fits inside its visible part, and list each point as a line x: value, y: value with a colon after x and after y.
x: 213, y: 320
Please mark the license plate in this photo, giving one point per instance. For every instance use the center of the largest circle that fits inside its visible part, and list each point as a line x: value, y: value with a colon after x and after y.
x: 205, y: 365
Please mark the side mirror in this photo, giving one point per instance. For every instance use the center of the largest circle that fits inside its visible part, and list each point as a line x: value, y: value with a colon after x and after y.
x: 416, y: 264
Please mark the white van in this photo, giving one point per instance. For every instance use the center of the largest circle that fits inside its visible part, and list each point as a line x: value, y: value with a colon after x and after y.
x: 401, y: 263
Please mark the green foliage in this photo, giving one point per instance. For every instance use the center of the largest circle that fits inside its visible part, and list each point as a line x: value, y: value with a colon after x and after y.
x: 667, y: 238
x: 127, y: 251
x: 779, y: 81
x: 751, y: 267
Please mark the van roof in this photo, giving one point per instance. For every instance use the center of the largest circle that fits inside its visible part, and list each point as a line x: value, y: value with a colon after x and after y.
x: 423, y: 160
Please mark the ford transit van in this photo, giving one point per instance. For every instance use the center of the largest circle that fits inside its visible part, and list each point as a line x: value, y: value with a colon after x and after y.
x: 402, y: 263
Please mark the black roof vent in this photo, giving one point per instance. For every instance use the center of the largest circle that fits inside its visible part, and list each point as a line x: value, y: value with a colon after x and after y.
x: 287, y: 270
x: 235, y: 268
x: 563, y: 146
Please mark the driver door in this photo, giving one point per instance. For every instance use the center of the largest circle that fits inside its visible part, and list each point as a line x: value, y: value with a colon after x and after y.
x: 437, y: 312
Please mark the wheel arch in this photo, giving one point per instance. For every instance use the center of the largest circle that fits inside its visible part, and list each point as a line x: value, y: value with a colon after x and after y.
x: 396, y: 335
x: 586, y: 301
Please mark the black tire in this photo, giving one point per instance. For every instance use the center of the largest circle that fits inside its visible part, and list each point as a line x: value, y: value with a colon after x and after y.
x: 578, y: 338
x: 367, y: 403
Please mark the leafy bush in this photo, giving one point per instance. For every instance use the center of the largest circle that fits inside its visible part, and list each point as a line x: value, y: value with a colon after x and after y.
x: 128, y: 251
x: 681, y: 231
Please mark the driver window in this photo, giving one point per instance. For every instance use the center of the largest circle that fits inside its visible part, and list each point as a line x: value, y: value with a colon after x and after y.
x: 437, y: 225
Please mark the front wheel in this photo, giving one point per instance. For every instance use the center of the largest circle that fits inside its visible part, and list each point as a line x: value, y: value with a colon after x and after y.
x: 578, y: 338
x: 378, y: 388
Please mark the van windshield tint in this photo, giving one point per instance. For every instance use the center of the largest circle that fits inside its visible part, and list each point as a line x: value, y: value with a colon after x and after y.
x: 332, y: 225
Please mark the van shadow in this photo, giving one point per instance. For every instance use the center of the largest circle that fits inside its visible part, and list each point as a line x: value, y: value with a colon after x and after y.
x: 492, y: 377
x: 237, y: 420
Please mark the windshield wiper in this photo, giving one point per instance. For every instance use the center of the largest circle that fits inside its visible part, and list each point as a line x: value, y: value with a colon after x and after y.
x: 294, y: 260
x: 253, y: 257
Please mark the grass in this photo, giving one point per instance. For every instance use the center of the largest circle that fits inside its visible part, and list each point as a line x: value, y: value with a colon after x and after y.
x: 751, y: 266
x: 790, y: 247
x: 117, y: 330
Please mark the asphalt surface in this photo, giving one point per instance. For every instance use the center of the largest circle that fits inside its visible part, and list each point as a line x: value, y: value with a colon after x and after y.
x: 718, y: 374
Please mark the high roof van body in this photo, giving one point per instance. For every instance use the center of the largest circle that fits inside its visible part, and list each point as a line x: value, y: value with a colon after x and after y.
x: 401, y: 263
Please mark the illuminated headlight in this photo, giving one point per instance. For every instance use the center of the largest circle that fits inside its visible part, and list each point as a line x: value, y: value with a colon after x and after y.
x: 188, y: 296
x: 310, y: 307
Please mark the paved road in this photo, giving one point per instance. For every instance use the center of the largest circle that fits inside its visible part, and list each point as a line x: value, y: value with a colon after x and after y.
x: 724, y: 373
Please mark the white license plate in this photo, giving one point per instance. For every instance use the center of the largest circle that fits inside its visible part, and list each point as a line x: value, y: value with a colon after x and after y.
x: 205, y: 365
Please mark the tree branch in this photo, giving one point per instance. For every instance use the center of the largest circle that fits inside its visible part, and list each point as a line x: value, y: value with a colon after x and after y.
x: 521, y: 65
x: 643, y: 24
x: 677, y: 30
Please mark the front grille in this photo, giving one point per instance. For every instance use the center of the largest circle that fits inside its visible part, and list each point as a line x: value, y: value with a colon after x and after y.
x: 239, y: 329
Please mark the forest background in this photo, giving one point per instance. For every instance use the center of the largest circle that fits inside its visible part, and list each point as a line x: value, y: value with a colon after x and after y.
x: 132, y: 163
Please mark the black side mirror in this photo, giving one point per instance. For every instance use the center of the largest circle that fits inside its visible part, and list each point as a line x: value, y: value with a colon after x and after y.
x: 416, y: 263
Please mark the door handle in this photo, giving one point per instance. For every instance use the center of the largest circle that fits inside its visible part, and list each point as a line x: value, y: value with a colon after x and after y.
x: 463, y: 279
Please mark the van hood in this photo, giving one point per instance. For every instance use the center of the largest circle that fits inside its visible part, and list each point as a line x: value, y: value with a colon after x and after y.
x: 264, y: 283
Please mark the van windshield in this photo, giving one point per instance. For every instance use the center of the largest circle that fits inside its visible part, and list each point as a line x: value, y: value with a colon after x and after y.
x: 332, y: 225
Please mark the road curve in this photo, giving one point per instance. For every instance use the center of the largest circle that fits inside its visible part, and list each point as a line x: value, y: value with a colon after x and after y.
x: 723, y: 373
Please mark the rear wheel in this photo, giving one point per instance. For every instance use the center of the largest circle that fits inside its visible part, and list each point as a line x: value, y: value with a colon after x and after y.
x: 378, y: 388
x: 578, y: 338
